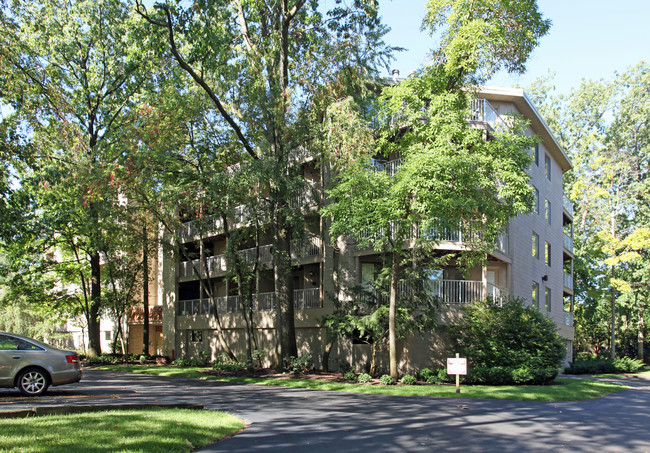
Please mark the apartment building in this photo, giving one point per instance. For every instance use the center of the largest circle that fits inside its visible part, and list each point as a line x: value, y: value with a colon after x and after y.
x: 532, y: 260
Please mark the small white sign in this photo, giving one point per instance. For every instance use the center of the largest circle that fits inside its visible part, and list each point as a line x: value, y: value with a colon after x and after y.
x: 456, y: 365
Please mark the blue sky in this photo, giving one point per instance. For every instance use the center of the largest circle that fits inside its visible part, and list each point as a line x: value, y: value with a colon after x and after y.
x: 588, y: 39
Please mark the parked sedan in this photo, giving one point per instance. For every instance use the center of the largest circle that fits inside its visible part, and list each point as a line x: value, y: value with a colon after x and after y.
x: 33, y: 366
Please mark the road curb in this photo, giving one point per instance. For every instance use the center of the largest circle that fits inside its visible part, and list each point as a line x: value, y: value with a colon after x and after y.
x: 63, y: 410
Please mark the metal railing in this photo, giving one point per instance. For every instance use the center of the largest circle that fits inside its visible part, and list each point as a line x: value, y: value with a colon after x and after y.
x: 568, y: 319
x: 568, y: 204
x: 482, y: 111
x: 389, y: 167
x: 304, y: 299
x: 568, y: 243
x: 303, y: 248
x: 568, y: 280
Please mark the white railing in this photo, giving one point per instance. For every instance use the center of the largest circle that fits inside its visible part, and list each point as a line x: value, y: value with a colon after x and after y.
x: 309, y: 197
x: 303, y: 248
x: 209, y: 224
x: 568, y: 319
x: 186, y: 268
x: 568, y: 280
x: 306, y: 298
x: 456, y: 291
x: 482, y: 111
x: 265, y: 254
x: 568, y: 243
x: 215, y: 264
x: 389, y: 167
x: 265, y: 302
x: 568, y: 204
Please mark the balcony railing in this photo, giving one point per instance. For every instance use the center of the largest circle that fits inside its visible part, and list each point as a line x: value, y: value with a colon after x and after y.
x: 303, y: 299
x: 464, y: 291
x: 304, y: 248
x: 389, y: 167
x: 568, y: 243
x: 568, y: 280
x: 568, y: 319
x: 568, y: 205
x: 483, y: 112
x: 307, y: 198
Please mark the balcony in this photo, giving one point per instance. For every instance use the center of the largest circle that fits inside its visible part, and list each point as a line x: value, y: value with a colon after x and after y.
x: 304, y: 248
x: 303, y: 299
x: 217, y: 263
x: 389, y: 167
x: 568, y: 281
x: 568, y: 319
x: 457, y: 292
x: 568, y: 243
x: 568, y: 205
x: 483, y: 112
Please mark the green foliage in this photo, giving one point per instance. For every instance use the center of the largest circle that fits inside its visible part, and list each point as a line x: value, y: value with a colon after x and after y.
x: 503, y: 375
x: 499, y: 339
x: 189, y: 362
x: 228, y: 367
x: 386, y: 379
x: 344, y: 366
x: 350, y: 376
x: 408, y: 380
x: 298, y: 364
x: 105, y: 359
x: 438, y: 376
x: 426, y: 373
x: 597, y: 366
x: 364, y: 378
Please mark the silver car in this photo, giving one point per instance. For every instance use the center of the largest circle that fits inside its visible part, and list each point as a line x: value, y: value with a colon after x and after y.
x: 33, y: 366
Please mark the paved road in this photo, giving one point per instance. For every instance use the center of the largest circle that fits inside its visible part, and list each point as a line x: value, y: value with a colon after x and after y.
x: 297, y: 420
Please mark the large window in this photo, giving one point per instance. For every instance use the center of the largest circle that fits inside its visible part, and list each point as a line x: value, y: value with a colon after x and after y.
x: 547, y: 299
x: 537, y: 154
x: 547, y: 211
x: 547, y: 254
x: 535, y: 295
x: 535, y: 245
x: 547, y: 166
x: 536, y: 195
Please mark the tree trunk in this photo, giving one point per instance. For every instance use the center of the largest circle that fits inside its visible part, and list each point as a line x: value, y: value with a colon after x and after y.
x: 613, y: 303
x: 392, y: 309
x: 284, y: 294
x: 640, y: 337
x: 145, y: 293
x: 94, y: 334
x: 325, y: 362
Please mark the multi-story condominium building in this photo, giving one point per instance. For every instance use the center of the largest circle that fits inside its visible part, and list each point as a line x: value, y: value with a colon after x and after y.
x: 532, y: 261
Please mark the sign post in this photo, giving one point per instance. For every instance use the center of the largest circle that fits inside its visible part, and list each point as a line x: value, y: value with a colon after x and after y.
x: 458, y: 366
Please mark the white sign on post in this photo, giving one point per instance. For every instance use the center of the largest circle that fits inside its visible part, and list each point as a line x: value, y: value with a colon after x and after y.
x: 457, y: 365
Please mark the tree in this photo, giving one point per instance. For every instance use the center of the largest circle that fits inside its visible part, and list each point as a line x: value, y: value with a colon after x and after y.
x: 603, y: 127
x: 76, y: 72
x: 264, y: 67
x: 450, y: 177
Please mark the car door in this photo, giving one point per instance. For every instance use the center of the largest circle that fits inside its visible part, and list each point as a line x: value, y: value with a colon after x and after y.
x: 10, y: 359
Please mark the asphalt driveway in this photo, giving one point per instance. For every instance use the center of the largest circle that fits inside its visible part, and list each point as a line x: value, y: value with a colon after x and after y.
x: 298, y: 420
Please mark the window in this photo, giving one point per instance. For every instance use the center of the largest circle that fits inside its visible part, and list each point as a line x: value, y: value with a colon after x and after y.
x: 107, y: 335
x: 535, y: 245
x: 536, y: 195
x: 535, y: 295
x: 197, y: 336
x: 547, y: 211
x: 547, y: 299
x: 547, y: 166
x: 547, y: 254
x: 537, y: 154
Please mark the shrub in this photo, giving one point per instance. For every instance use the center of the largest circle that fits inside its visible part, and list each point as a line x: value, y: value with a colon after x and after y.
x: 364, y: 378
x: 350, y: 376
x: 188, y: 361
x: 386, y: 379
x: 426, y: 373
x: 344, y: 366
x: 596, y: 366
x: 409, y: 380
x: 105, y: 359
x: 298, y: 364
x: 508, y: 343
x: 229, y: 367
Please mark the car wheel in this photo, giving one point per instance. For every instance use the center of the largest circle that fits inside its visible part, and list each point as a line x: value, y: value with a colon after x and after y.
x: 33, y: 382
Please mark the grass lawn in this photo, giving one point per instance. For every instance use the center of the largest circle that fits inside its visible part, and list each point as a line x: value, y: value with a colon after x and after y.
x: 158, y: 430
x: 563, y: 389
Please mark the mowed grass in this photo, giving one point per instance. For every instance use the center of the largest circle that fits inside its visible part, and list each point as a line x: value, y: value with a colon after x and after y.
x: 157, y: 430
x: 562, y: 389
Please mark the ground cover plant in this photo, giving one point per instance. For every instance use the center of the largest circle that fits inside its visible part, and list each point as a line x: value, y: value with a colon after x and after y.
x: 560, y: 390
x: 599, y: 365
x: 168, y: 430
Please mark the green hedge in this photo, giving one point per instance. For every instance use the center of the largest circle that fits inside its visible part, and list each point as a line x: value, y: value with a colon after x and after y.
x: 596, y: 366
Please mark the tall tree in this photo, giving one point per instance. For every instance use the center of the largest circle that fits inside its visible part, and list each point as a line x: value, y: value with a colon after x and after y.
x: 262, y: 64
x: 77, y: 69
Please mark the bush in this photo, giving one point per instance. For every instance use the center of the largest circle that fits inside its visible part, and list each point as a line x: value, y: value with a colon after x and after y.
x: 508, y: 344
x: 426, y: 373
x: 597, y: 366
x: 188, y: 362
x: 105, y: 359
x: 409, y: 380
x: 386, y: 379
x: 228, y: 367
x: 298, y: 364
x: 344, y: 366
x: 350, y: 376
x: 364, y: 378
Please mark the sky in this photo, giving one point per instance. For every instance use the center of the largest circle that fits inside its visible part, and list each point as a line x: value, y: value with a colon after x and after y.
x: 588, y: 39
